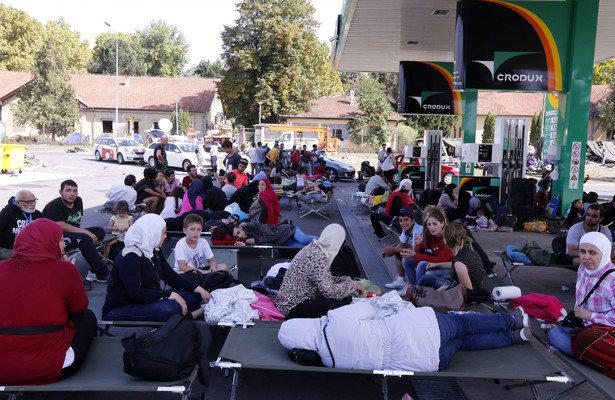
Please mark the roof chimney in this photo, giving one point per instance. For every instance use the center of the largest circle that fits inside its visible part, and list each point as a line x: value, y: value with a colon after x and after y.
x: 127, y: 81
x: 352, y: 97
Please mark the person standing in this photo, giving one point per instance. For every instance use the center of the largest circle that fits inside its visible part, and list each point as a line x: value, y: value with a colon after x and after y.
x: 295, y: 157
x: 388, y: 166
x: 231, y: 161
x: 261, y: 156
x: 381, y: 154
x: 252, y: 153
x: 160, y: 154
x: 213, y: 153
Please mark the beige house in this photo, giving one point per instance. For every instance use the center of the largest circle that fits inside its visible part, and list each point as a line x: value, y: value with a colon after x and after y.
x: 142, y: 101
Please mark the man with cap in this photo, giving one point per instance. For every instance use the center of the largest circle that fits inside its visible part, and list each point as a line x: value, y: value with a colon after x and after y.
x: 396, y: 201
x: 241, y: 177
x: 411, y: 236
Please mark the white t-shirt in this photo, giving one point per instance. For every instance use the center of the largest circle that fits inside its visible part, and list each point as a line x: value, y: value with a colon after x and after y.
x: 169, y: 207
x: 416, y: 230
x: 213, y: 151
x: 195, y: 258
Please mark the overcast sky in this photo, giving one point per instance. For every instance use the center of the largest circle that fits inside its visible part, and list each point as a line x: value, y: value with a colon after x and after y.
x: 201, y: 21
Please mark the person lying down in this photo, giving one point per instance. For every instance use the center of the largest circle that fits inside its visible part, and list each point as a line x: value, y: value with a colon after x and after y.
x: 352, y: 337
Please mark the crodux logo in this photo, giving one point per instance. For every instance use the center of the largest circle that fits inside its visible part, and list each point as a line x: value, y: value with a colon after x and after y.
x: 431, y: 106
x: 519, y: 78
x: 508, y: 61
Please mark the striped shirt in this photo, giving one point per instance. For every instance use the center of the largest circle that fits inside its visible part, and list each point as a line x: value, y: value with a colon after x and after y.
x: 602, y: 302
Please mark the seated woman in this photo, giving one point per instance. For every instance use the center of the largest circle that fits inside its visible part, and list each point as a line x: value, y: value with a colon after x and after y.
x: 45, y: 326
x: 432, y: 254
x: 595, y: 253
x: 215, y: 198
x: 134, y: 292
x: 244, y: 197
x: 254, y: 232
x: 448, y: 202
x: 308, y: 289
x: 267, y: 207
x: 418, y: 339
x: 193, y: 199
x: 575, y: 213
x: 467, y: 267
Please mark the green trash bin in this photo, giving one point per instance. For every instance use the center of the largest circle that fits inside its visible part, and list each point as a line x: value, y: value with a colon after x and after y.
x: 13, y: 156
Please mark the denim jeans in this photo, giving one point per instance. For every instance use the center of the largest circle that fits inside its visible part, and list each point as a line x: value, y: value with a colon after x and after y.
x: 299, y: 239
x: 473, y: 332
x: 160, y: 310
x: 560, y: 337
x: 435, y: 278
x: 260, y: 167
x: 410, y: 269
x: 317, y: 197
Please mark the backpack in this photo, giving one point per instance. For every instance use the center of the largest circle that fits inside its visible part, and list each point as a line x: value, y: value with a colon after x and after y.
x: 266, y: 308
x: 212, y: 280
x: 170, y: 352
x: 594, y: 347
x: 345, y: 264
x: 553, y: 207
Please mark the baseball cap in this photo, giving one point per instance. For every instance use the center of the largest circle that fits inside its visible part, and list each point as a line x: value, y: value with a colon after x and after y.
x: 406, y: 211
x: 406, y: 184
x: 243, y: 161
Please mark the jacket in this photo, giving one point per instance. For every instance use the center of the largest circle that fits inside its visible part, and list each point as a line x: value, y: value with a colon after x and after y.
x: 12, y: 221
x: 268, y: 234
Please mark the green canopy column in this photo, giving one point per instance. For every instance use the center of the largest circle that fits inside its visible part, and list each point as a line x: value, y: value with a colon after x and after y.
x: 574, y: 104
x: 468, y: 125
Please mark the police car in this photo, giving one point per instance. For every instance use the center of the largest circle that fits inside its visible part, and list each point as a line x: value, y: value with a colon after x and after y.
x: 122, y: 149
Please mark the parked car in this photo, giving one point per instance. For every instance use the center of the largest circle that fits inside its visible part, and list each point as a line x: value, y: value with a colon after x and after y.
x: 121, y: 149
x: 179, y: 155
x: 447, y: 173
x: 338, y: 170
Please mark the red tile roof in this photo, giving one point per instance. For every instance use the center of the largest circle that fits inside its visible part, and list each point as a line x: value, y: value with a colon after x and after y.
x: 135, y: 92
x: 335, y: 107
x: 509, y: 103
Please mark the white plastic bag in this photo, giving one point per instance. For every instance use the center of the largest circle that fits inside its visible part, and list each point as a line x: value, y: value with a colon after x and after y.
x: 231, y: 305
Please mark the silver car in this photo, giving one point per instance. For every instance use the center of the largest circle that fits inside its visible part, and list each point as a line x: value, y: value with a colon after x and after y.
x: 179, y: 155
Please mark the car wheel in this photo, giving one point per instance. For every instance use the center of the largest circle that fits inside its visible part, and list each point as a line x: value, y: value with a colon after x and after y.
x: 185, y: 165
x: 120, y: 158
x: 151, y: 162
x: 97, y: 155
x: 396, y: 179
x: 448, y: 178
x: 332, y: 174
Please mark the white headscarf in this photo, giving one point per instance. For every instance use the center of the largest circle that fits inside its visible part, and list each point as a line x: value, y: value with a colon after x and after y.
x: 145, y: 234
x: 331, y: 240
x: 302, y: 333
x: 603, y: 244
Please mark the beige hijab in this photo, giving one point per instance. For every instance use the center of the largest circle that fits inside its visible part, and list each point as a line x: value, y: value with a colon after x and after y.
x: 331, y: 240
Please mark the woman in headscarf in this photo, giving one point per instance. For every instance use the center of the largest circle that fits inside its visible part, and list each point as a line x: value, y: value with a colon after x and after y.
x: 595, y: 252
x: 45, y: 326
x: 269, y: 203
x: 308, y: 289
x: 448, y: 201
x: 215, y: 198
x: 244, y: 196
x: 134, y: 292
x: 193, y: 199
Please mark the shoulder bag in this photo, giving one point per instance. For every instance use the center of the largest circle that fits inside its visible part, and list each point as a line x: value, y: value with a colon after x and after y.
x: 572, y: 321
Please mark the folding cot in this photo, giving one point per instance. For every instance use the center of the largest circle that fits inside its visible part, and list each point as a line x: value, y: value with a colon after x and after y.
x: 257, y: 347
x: 311, y: 207
x: 102, y: 371
x: 510, y: 265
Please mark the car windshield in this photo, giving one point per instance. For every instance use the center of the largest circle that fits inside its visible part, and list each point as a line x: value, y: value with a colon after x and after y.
x: 187, y: 148
x: 127, y: 142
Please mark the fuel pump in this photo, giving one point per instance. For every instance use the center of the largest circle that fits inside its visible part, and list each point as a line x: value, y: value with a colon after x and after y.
x: 425, y: 162
x: 513, y: 135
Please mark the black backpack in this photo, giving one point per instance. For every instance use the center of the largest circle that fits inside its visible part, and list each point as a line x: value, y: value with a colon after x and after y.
x: 212, y: 280
x: 170, y: 352
x: 345, y: 264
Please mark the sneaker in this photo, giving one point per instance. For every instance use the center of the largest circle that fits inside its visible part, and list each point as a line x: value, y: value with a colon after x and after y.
x: 93, y: 278
x: 402, y: 292
x: 522, y: 335
x: 397, y: 283
x: 522, y: 320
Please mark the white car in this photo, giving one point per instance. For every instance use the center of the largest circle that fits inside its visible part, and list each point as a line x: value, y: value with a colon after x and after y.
x: 121, y: 149
x: 179, y: 155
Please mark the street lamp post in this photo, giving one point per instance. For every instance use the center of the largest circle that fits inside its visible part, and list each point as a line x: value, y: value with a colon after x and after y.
x: 117, y: 81
x: 176, y: 117
x: 260, y: 103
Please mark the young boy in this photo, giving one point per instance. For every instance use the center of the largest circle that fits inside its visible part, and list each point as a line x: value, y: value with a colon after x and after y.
x: 192, y: 253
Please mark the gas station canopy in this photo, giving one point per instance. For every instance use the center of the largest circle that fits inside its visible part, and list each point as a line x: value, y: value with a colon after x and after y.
x: 375, y: 35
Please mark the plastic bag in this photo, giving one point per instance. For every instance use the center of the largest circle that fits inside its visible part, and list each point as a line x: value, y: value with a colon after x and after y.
x: 535, y: 226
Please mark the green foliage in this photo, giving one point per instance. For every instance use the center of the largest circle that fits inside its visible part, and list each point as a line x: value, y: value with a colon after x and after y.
x: 389, y: 82
x: 49, y: 100
x: 272, y: 55
x: 489, y: 128
x: 184, y: 122
x: 604, y: 72
x: 162, y: 48
x: 21, y: 37
x: 208, y: 69
x: 406, y: 136
x: 76, y: 51
x: 607, y: 111
x: 444, y: 123
x: 103, y: 56
x: 376, y: 111
x: 536, y: 129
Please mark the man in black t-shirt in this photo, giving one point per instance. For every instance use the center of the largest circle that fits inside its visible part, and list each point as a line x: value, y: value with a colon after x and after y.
x: 160, y: 154
x: 231, y: 161
x: 149, y: 193
x: 67, y: 211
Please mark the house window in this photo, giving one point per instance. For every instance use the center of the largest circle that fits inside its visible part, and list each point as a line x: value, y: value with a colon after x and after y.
x: 337, y: 133
x: 156, y: 125
x: 136, y: 127
x: 107, y: 126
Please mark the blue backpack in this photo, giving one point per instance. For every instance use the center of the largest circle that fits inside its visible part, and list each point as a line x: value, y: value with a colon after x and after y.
x: 553, y: 207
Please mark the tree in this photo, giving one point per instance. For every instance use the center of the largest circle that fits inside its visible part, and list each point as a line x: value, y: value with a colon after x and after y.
x: 536, y: 129
x: 21, y: 37
x: 406, y: 136
x: 208, y: 69
x: 444, y: 123
x: 489, y: 128
x: 272, y: 55
x: 163, y: 49
x: 604, y: 72
x: 184, y: 122
x: 49, y: 101
x: 389, y: 81
x: 103, y: 56
x: 376, y: 111
x: 606, y: 111
x: 76, y: 51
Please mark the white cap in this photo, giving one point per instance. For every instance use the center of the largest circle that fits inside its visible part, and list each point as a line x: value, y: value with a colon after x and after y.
x: 406, y: 184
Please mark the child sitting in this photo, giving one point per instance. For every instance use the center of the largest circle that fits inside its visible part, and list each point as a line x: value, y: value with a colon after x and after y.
x: 118, y: 225
x: 481, y: 219
x: 192, y: 251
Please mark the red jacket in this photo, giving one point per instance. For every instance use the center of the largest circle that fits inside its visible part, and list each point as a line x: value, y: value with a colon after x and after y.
x: 404, y: 198
x: 441, y: 253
